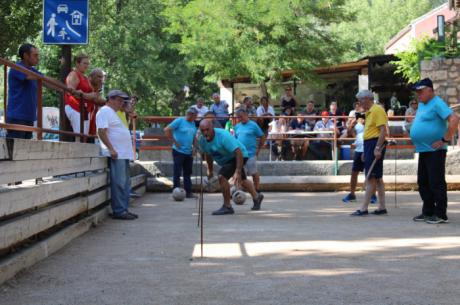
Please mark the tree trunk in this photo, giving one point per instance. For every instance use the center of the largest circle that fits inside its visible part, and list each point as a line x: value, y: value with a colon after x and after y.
x: 177, y: 101
x: 263, y: 89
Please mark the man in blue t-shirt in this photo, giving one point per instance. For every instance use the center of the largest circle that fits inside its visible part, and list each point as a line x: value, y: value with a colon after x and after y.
x: 219, y: 145
x: 182, y: 133
x: 22, y: 93
x: 220, y: 109
x: 433, y: 127
x: 247, y: 132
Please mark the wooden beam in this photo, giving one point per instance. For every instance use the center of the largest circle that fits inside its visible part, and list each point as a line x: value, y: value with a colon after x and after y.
x: 13, y: 171
x: 14, y: 200
x: 39, y: 251
x: 98, y: 198
x: 45, y: 150
x: 17, y: 230
x: 138, y: 180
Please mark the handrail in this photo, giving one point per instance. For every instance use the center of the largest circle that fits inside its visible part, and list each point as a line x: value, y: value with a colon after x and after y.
x: 55, y: 85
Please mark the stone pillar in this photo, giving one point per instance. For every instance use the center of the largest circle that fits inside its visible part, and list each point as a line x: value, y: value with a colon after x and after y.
x: 445, y: 74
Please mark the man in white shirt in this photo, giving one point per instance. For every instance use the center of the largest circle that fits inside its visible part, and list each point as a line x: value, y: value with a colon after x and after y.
x: 116, y: 142
x: 200, y: 107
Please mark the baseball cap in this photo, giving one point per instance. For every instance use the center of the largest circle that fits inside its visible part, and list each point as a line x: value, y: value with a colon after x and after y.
x: 119, y: 93
x: 325, y: 113
x: 424, y: 83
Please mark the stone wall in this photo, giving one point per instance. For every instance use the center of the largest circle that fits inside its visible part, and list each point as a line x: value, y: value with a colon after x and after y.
x: 445, y: 74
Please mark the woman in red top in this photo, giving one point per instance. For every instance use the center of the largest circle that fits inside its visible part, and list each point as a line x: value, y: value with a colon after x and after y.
x: 78, y: 81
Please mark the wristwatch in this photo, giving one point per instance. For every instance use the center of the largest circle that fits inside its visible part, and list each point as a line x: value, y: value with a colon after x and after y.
x: 444, y: 140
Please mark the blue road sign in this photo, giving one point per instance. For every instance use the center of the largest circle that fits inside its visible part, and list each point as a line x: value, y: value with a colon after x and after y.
x: 65, y: 21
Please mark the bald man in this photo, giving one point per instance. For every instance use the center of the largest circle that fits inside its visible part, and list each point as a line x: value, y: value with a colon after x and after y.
x: 219, y: 145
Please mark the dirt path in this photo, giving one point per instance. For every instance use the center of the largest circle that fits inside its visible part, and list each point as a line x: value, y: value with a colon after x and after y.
x: 303, y: 248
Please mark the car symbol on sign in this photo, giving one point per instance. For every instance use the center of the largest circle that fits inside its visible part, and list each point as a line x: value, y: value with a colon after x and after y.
x: 62, y: 8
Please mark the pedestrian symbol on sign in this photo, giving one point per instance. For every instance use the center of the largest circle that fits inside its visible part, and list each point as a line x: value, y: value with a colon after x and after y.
x: 52, y: 25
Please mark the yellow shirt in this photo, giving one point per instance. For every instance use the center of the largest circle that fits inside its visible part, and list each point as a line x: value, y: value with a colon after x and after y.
x: 122, y: 116
x: 375, y: 117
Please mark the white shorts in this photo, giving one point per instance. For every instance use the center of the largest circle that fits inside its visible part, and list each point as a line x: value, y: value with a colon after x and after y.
x: 251, y: 166
x: 74, y: 118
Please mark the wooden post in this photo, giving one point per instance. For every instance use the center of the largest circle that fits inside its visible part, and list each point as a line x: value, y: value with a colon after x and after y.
x: 66, y: 63
x: 82, y: 119
x: 40, y: 109
x: 5, y: 89
x: 336, y: 162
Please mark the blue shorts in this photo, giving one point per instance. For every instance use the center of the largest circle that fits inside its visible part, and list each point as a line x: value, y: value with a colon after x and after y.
x: 369, y: 147
x: 358, y: 163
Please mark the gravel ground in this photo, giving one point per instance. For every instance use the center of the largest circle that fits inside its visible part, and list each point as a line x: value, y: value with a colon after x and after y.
x: 302, y: 248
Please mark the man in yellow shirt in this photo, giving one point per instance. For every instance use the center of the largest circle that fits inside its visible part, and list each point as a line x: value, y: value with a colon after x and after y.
x: 374, y: 139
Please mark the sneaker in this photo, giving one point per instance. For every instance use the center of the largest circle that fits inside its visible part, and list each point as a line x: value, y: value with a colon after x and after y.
x: 124, y: 216
x: 224, y: 211
x: 349, y: 198
x: 359, y: 213
x: 380, y: 212
x: 373, y: 199
x: 257, y: 202
x: 135, y: 215
x: 436, y: 220
x: 420, y: 217
x: 191, y: 196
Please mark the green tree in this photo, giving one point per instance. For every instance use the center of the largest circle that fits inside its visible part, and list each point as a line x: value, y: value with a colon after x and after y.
x: 18, y: 23
x: 256, y: 38
x: 376, y: 22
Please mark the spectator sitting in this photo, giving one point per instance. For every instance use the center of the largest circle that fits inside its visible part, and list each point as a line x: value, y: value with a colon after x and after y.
x: 211, y: 116
x: 277, y: 129
x: 335, y: 111
x: 352, y: 113
x: 310, y: 111
x: 288, y: 101
x: 220, y: 109
x: 200, y: 107
x: 299, y: 123
x: 411, y: 111
x: 248, y: 107
x: 318, y: 147
x: 265, y: 110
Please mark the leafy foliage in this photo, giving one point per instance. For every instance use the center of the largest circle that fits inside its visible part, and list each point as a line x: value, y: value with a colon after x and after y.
x: 256, y: 38
x: 408, y: 64
x: 376, y: 22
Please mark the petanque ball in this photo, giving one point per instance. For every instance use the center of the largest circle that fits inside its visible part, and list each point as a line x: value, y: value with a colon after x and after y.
x: 239, y: 197
x: 178, y: 194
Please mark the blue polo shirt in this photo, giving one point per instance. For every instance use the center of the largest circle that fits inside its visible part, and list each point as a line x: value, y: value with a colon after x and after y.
x: 247, y: 134
x: 220, y: 110
x: 22, y: 95
x: 429, y: 124
x: 183, y: 132
x: 222, y: 147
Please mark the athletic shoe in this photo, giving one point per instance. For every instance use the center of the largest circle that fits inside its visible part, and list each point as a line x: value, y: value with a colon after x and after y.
x: 257, y: 202
x: 380, y: 212
x: 191, y: 196
x: 373, y: 199
x: 124, y: 216
x: 420, y: 217
x: 224, y: 211
x: 359, y: 213
x: 349, y: 198
x: 436, y: 220
x: 135, y: 215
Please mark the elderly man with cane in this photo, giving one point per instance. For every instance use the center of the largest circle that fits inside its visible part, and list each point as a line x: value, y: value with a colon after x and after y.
x: 374, y: 152
x: 433, y: 127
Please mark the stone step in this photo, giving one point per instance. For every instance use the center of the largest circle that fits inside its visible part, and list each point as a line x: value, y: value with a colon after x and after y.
x: 311, y: 183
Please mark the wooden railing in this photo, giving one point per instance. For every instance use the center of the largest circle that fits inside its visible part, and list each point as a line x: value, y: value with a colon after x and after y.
x: 41, y: 81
